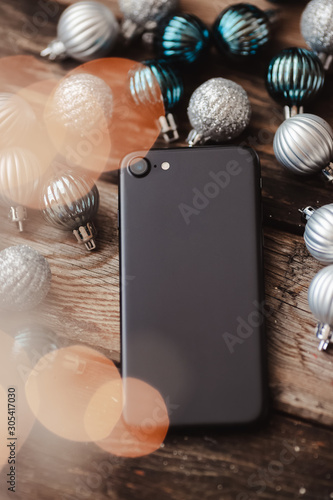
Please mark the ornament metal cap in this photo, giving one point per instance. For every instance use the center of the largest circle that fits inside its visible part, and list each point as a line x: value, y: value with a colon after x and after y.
x: 290, y: 111
x: 85, y: 234
x: 55, y: 51
x: 194, y: 138
x: 168, y: 128
x: 307, y: 212
x: 328, y: 172
x: 19, y: 215
x: 325, y: 334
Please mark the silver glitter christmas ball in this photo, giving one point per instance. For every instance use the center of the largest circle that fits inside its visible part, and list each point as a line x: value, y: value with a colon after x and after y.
x: 86, y: 30
x: 81, y: 101
x: 219, y: 110
x: 318, y: 235
x: 317, y: 26
x: 143, y: 12
x: 304, y: 144
x: 320, y: 298
x: 16, y: 119
x: 25, y: 278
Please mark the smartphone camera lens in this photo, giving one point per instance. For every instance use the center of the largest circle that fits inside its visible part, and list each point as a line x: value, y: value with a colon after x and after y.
x: 139, y: 167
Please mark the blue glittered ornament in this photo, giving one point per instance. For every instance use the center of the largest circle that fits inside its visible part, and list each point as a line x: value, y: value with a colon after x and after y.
x: 242, y: 30
x: 152, y: 81
x: 295, y: 76
x: 181, y: 38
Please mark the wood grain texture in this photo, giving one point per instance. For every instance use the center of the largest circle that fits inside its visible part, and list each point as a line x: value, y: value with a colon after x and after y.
x: 284, y: 459
x: 289, y: 457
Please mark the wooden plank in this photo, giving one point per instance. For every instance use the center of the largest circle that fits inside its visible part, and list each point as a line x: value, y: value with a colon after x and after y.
x: 301, y: 377
x: 284, y: 459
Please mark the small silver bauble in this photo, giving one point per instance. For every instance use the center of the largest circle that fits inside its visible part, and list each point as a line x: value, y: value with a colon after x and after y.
x: 304, y: 144
x: 317, y: 28
x: 16, y: 119
x: 70, y: 202
x: 37, y: 341
x: 86, y: 30
x: 20, y: 175
x: 318, y: 234
x: 320, y: 297
x: 219, y: 110
x: 81, y: 101
x: 25, y: 278
x: 141, y: 15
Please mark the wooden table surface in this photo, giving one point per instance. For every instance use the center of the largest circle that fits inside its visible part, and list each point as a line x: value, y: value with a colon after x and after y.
x: 83, y: 307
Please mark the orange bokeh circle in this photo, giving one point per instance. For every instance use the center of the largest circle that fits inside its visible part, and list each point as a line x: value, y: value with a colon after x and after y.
x: 143, y: 425
x: 77, y: 394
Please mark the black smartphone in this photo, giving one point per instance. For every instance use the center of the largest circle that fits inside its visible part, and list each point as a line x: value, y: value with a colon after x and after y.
x: 192, y: 293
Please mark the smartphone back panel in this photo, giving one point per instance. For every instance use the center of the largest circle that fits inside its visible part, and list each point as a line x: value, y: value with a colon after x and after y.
x: 192, y: 284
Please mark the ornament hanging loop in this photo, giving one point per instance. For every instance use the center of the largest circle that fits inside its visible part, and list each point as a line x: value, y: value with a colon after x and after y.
x: 168, y: 128
x: 86, y: 234
x: 325, y: 334
x: 55, y: 51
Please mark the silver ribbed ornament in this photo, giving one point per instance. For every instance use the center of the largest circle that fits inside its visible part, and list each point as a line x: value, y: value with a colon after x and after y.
x: 317, y: 29
x: 80, y: 102
x: 304, y: 144
x: 70, y: 202
x: 320, y: 297
x: 141, y: 15
x: 318, y: 234
x: 25, y: 278
x: 20, y: 175
x: 16, y: 119
x: 86, y: 30
x: 219, y: 110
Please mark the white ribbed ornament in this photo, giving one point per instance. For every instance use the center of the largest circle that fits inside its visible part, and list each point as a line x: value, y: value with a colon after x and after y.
x: 304, y: 144
x: 320, y: 297
x: 16, y: 119
x: 86, y: 30
x: 20, y: 176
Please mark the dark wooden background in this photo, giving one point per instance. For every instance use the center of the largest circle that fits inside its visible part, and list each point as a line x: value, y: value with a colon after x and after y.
x: 83, y: 306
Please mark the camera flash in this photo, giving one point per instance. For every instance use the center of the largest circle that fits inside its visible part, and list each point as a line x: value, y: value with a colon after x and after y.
x: 165, y: 165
